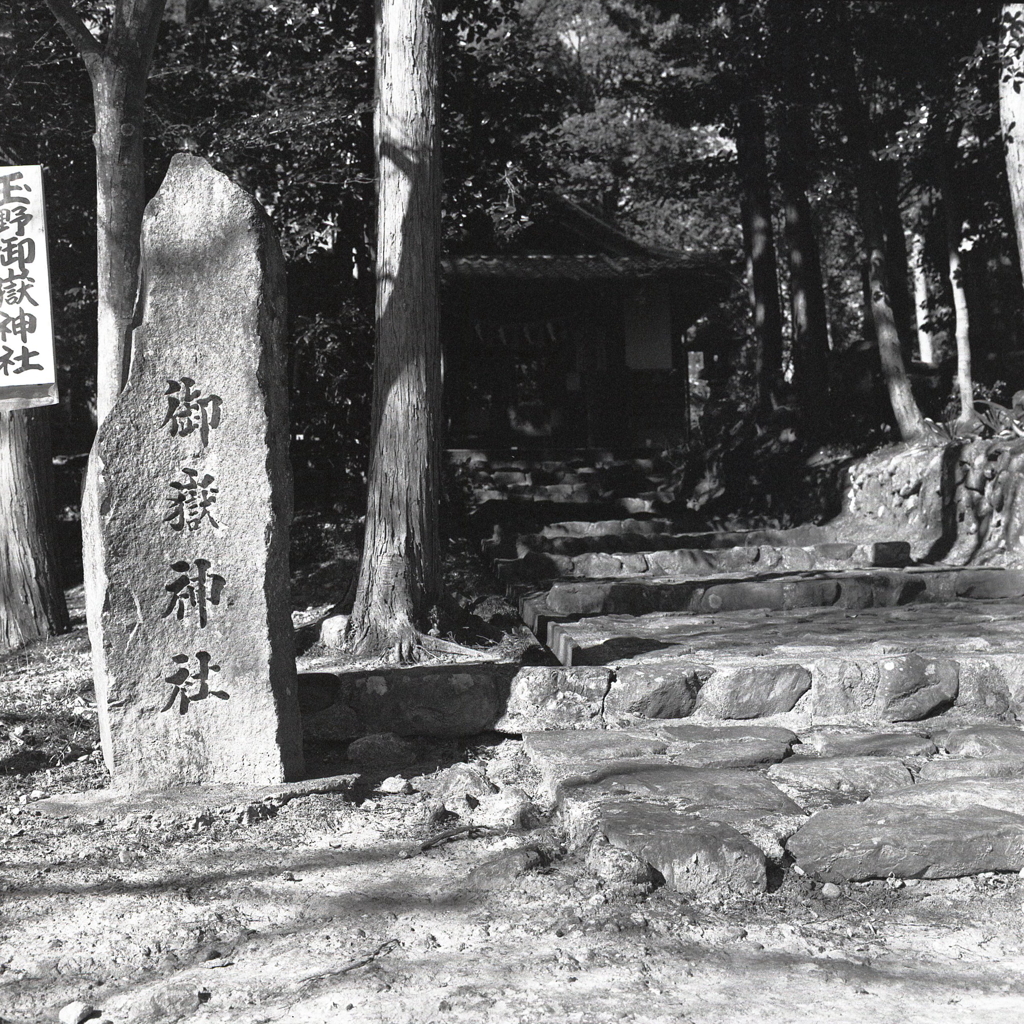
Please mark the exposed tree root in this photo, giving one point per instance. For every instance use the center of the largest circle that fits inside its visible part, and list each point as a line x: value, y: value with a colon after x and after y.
x: 405, y: 645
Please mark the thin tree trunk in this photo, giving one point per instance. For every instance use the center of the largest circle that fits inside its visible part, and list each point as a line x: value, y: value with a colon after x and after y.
x: 909, y: 420
x: 31, y: 599
x: 118, y: 70
x: 954, y: 233
x: 399, y: 581
x: 759, y: 242
x: 925, y: 343
x: 806, y: 287
x: 1011, y: 111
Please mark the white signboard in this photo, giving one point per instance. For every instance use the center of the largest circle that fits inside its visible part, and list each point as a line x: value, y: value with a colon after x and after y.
x: 27, y: 371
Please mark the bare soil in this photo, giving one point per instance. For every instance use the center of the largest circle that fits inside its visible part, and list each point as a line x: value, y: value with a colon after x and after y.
x: 330, y: 910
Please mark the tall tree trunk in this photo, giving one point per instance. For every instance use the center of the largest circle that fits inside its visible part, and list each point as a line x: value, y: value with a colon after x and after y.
x: 1011, y: 111
x: 909, y: 420
x: 806, y: 287
x: 31, y: 599
x: 118, y: 70
x: 759, y: 242
x: 954, y: 236
x: 896, y: 255
x: 399, y: 580
x: 925, y: 343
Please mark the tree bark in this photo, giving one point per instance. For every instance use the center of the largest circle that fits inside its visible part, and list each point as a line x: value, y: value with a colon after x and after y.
x: 888, y: 177
x: 909, y: 420
x: 806, y: 287
x: 399, y: 580
x: 31, y: 598
x: 954, y: 233
x: 759, y: 243
x: 118, y: 70
x: 925, y: 343
x: 1011, y: 111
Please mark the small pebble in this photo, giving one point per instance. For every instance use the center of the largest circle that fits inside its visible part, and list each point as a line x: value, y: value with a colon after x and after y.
x: 75, y: 1013
x: 830, y: 890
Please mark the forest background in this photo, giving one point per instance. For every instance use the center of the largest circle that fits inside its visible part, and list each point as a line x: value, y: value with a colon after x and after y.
x: 777, y: 135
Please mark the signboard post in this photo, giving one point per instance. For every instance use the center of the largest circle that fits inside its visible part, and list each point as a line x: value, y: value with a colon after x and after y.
x: 28, y: 374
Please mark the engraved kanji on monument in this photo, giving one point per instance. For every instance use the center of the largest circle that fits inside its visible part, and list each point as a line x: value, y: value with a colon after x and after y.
x: 189, y: 503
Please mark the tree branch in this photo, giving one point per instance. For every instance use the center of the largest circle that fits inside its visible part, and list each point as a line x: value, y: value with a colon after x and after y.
x: 69, y: 20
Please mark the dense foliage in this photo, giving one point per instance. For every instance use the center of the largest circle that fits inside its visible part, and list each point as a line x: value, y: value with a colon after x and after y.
x: 627, y: 106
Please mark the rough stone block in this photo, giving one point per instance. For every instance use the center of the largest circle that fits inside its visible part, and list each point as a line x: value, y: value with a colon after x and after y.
x: 875, y: 840
x: 543, y: 698
x: 985, y: 741
x: 188, y: 505
x: 911, y: 687
x: 657, y: 690
x: 693, y: 856
x: 753, y: 691
x: 454, y: 700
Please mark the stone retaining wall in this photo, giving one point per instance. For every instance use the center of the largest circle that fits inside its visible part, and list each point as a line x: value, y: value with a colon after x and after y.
x: 960, y: 503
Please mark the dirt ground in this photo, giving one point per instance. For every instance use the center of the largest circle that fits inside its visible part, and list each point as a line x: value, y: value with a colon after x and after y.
x: 331, y: 910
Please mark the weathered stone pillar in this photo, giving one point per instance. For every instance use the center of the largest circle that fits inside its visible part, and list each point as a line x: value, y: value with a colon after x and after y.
x: 189, y: 504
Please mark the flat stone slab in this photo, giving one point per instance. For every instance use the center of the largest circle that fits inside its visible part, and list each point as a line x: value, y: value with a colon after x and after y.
x: 865, y: 744
x: 667, y: 555
x: 853, y: 590
x: 693, y: 855
x: 941, y: 768
x: 570, y: 759
x: 876, y: 839
x: 957, y: 629
x: 960, y: 794
x: 183, y: 803
x: 821, y: 781
x: 547, y: 748
x: 730, y: 795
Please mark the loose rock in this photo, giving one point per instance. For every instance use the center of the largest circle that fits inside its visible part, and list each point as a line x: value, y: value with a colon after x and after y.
x: 381, y: 749
x: 76, y: 1013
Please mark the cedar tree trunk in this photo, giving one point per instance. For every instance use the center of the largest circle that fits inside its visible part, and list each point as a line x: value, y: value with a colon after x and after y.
x: 118, y: 69
x: 31, y: 599
x: 1011, y: 111
x: 806, y: 288
x: 399, y: 579
x: 759, y: 242
x: 909, y: 421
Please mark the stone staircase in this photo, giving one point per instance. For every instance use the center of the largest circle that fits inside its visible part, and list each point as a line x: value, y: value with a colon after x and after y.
x: 734, y: 705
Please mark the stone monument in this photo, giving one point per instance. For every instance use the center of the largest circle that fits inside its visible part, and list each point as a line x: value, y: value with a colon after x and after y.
x: 188, y: 504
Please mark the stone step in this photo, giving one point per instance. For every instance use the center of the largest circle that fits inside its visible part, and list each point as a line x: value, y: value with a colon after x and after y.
x: 566, y: 600
x: 658, y: 560
x: 714, y: 808
x: 659, y: 534
x: 892, y: 664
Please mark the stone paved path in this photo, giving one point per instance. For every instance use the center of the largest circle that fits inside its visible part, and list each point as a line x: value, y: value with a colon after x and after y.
x: 735, y: 705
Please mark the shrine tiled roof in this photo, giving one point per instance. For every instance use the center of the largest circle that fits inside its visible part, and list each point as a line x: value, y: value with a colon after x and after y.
x: 575, y: 268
